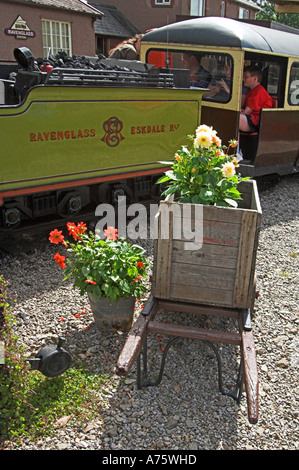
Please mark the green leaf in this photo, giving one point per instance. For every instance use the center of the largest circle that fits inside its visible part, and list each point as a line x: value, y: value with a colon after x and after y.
x: 196, y: 199
x: 209, y: 179
x: 85, y: 270
x: 170, y: 174
x: 163, y: 179
x: 221, y: 204
x: 206, y: 194
x: 179, y: 176
x: 171, y: 190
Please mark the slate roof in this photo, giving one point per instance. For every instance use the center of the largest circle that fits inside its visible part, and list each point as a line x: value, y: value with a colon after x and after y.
x: 79, y: 6
x: 113, y: 23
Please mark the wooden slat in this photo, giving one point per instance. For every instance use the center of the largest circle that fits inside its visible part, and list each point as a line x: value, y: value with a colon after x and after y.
x: 209, y: 255
x: 245, y: 259
x: 161, y: 284
x: 197, y: 309
x: 209, y: 296
x: 210, y: 213
x: 202, y: 277
x: 194, y: 333
x: 135, y: 339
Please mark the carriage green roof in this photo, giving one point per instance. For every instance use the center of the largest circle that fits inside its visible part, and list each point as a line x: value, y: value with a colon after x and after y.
x: 226, y: 32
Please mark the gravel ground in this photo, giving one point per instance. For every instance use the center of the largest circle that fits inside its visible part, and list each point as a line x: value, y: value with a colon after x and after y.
x: 186, y: 411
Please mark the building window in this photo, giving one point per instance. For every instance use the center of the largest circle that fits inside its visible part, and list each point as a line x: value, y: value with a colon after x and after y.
x: 197, y: 8
x: 243, y: 13
x: 163, y: 2
x: 56, y: 37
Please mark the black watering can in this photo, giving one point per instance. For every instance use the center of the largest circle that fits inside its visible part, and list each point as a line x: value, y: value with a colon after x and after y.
x: 51, y: 360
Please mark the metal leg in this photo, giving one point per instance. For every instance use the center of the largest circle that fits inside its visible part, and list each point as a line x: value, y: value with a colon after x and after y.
x: 142, y: 380
x: 142, y: 373
x: 236, y: 394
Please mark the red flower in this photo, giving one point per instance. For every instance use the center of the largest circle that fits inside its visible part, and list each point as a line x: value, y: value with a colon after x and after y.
x: 90, y: 282
x: 111, y: 233
x: 138, y: 277
x: 56, y: 236
x: 81, y: 227
x: 60, y: 260
x: 76, y: 230
x: 71, y: 226
x: 140, y: 264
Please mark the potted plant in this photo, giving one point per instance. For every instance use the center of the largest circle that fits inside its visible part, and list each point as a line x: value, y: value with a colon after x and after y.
x: 109, y: 271
x: 221, y: 271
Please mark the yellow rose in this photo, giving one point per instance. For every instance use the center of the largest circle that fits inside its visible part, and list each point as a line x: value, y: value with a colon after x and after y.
x: 203, y: 128
x: 228, y: 169
x: 203, y: 139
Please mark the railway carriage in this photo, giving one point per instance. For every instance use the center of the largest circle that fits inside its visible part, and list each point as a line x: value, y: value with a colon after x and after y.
x: 223, y: 43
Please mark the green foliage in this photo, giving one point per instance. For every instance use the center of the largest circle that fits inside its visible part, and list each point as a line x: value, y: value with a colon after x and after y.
x: 204, y: 174
x: 106, y: 268
x: 268, y: 13
x: 30, y: 403
x: 111, y: 265
x: 33, y: 408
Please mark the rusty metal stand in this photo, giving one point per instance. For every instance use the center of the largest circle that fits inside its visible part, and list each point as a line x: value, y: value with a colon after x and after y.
x: 136, y: 347
x: 142, y: 370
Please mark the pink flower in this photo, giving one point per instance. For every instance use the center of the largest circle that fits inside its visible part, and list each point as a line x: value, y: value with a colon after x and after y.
x: 111, y: 233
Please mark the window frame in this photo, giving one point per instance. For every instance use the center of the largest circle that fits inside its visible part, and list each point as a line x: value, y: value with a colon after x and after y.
x: 61, y: 37
x: 244, y: 13
x: 176, y: 64
x: 163, y: 3
x: 291, y: 82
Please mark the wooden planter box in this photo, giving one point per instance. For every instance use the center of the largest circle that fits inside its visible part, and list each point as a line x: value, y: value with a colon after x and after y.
x: 222, y: 272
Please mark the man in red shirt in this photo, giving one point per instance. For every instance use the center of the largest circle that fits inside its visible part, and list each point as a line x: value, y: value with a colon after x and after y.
x: 256, y: 99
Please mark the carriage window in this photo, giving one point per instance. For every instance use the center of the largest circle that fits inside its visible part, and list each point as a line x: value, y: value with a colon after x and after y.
x: 212, y: 71
x: 273, y: 76
x: 293, y: 94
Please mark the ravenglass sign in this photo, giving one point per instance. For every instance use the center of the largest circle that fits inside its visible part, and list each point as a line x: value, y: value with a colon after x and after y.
x: 20, y: 29
x: 113, y: 132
